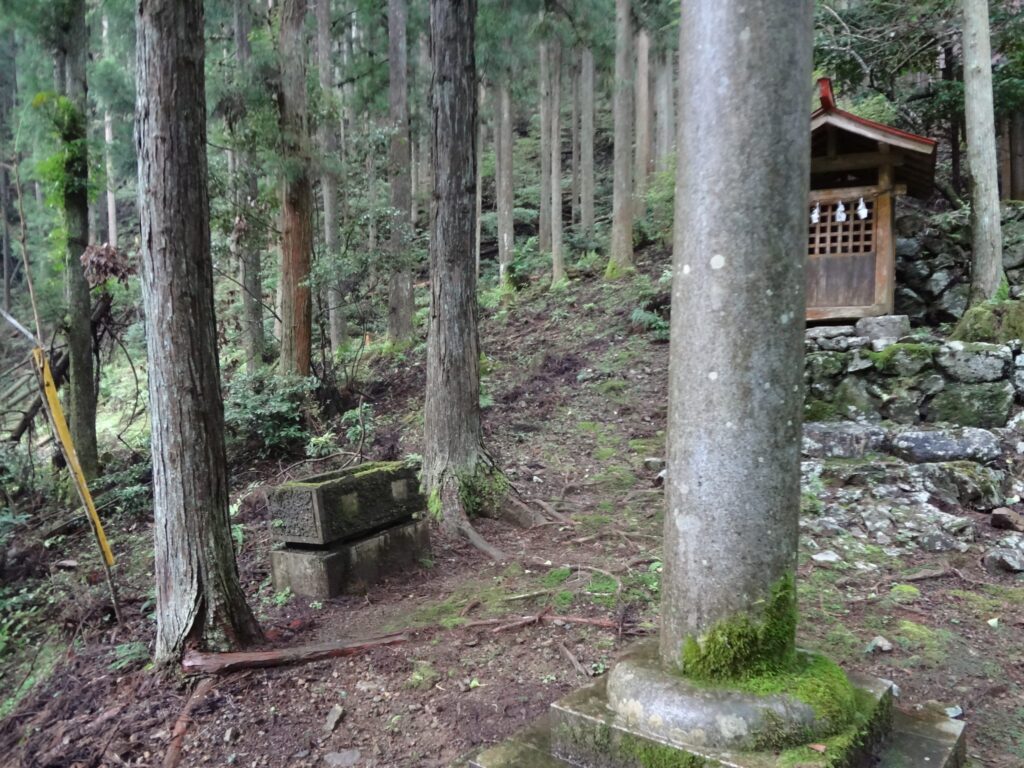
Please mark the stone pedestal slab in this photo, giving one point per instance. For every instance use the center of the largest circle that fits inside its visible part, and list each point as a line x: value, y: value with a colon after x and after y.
x: 350, y: 567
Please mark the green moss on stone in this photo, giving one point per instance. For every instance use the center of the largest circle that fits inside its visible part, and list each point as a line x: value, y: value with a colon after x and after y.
x: 973, y: 405
x: 649, y: 754
x: 903, y: 359
x: 745, y: 645
x: 996, y: 322
x: 820, y: 410
x: 367, y: 470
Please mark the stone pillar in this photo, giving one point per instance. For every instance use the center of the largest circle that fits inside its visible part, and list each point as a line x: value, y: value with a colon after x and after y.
x: 735, y: 383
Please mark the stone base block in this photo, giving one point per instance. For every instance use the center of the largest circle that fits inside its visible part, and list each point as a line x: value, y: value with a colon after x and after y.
x: 352, y: 567
x: 582, y: 731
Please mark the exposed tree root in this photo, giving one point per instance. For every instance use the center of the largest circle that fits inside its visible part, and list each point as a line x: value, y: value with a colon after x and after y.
x: 465, y: 529
x: 173, y: 755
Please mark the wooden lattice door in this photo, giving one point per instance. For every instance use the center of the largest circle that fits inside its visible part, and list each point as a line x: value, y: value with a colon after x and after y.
x: 842, y: 258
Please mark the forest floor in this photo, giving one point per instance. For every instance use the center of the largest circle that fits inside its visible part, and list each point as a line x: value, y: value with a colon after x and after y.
x: 578, y: 402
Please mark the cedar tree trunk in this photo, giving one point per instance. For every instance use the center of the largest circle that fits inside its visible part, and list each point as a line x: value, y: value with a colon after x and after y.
x: 297, y: 195
x: 459, y: 477
x: 199, y: 599
x: 622, y: 106
x: 400, y: 294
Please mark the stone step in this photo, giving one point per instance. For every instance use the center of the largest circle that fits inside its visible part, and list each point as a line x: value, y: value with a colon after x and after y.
x: 530, y: 747
x: 923, y: 741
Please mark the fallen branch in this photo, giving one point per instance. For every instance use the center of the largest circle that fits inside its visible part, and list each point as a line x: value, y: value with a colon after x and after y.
x: 572, y: 659
x: 173, y: 755
x: 932, y: 574
x: 197, y: 662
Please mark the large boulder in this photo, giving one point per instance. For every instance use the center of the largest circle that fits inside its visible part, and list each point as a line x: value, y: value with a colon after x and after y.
x: 929, y: 445
x: 974, y: 362
x: 972, y: 405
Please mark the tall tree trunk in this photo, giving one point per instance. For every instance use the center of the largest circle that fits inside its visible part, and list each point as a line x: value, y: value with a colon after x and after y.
x: 735, y: 402
x: 297, y: 195
x: 8, y: 91
x: 544, y: 216
x: 250, y: 259
x: 987, y: 260
x: 459, y: 476
x: 587, y: 142
x: 481, y: 131
x: 949, y: 75
x: 1017, y: 155
x: 622, y: 106
x: 506, y: 223
x: 426, y: 192
x: 642, y: 89
x: 557, y: 257
x: 664, y: 112
x: 574, y: 137
x: 400, y: 300
x: 82, y: 390
x: 199, y: 598
x: 108, y: 152
x: 328, y: 136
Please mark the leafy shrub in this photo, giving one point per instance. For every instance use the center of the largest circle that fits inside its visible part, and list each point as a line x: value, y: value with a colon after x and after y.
x: 651, y: 322
x: 358, y: 423
x: 263, y: 413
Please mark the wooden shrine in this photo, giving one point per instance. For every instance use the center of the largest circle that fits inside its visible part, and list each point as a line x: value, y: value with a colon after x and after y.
x: 858, y: 168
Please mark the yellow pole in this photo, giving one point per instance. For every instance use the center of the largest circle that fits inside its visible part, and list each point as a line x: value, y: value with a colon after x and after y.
x: 67, y: 447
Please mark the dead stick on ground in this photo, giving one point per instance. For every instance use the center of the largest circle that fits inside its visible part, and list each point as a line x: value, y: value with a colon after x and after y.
x: 923, y: 575
x: 572, y: 659
x: 173, y: 755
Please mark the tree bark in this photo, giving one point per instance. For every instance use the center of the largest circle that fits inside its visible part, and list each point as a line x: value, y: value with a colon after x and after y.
x: 664, y: 112
x: 557, y: 257
x: 248, y: 249
x: 574, y: 137
x: 480, y: 144
x: 622, y: 105
x: 8, y: 91
x: 544, y: 216
x: 735, y: 401
x: 297, y: 195
x: 587, y: 142
x: 426, y: 192
x: 642, y: 88
x: 987, y: 259
x: 82, y: 390
x: 328, y: 177
x: 457, y: 472
x: 1017, y: 155
x: 400, y: 300
x: 199, y: 599
x: 108, y: 152
x: 506, y: 229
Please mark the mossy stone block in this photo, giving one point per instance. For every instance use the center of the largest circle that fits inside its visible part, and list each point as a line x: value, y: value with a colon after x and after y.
x: 973, y: 405
x: 346, y: 504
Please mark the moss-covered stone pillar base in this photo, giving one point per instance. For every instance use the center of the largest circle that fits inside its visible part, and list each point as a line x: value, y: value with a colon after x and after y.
x: 606, y: 726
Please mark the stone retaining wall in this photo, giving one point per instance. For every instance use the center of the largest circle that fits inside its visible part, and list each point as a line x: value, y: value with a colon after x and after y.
x: 933, y: 261
x: 878, y: 370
